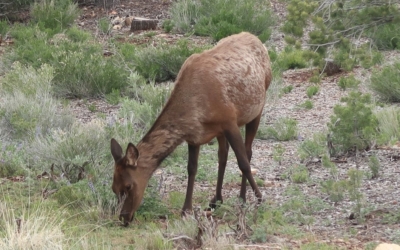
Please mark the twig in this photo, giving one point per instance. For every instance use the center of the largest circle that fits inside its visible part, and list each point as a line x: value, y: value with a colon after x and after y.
x: 258, y: 246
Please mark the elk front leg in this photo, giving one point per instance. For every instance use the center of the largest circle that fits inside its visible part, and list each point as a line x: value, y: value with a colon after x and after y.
x: 223, y: 148
x: 192, y: 170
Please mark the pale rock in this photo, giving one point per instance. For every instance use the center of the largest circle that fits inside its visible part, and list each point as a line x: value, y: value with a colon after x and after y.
x: 386, y: 246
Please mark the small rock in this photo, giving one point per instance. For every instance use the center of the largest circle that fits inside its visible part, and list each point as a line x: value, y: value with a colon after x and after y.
x: 254, y: 171
x: 117, y: 27
x: 386, y: 246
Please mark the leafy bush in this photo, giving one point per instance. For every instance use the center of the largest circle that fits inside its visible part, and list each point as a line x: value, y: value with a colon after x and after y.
x: 291, y: 59
x: 307, y: 104
x: 104, y: 25
x: 84, y: 72
x: 31, y: 47
x: 54, y: 16
x: 148, y: 101
x: 4, y: 27
x: 80, y: 146
x: 386, y: 36
x: 184, y: 14
x: 27, y: 108
x: 222, y: 18
x: 312, y: 90
x: 299, y: 174
x: 287, y: 89
x: 163, y: 62
x: 386, y: 82
x: 9, y: 9
x: 314, y: 147
x: 12, y: 159
x: 80, y: 68
x: 284, y: 129
x: 77, y: 35
x: 374, y: 166
x: 353, y: 126
x: 336, y: 23
x: 348, y: 82
x: 388, y: 125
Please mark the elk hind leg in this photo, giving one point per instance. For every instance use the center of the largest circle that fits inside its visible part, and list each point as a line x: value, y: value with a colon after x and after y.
x: 232, y: 134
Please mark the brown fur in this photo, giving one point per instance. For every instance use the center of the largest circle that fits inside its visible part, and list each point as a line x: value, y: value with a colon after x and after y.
x: 215, y: 93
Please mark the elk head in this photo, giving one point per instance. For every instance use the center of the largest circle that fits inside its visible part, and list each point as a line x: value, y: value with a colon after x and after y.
x: 129, y: 181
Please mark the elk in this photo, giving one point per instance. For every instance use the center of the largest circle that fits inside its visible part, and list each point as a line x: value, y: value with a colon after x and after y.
x: 216, y: 92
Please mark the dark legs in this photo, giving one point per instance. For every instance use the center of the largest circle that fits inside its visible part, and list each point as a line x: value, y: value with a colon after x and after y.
x: 243, y: 154
x: 251, y: 131
x: 192, y: 170
x: 223, y: 148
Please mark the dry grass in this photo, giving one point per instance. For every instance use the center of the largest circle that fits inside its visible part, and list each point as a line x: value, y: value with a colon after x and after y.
x: 37, y: 229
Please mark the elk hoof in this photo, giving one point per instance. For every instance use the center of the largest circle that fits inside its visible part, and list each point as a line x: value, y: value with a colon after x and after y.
x: 214, y: 203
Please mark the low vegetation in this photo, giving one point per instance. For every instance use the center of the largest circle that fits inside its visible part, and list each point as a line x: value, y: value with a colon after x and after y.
x: 221, y: 18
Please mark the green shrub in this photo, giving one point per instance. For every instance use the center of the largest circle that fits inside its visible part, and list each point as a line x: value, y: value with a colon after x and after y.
x: 4, y: 27
x: 104, y: 25
x: 291, y: 59
x: 73, y: 196
x: 148, y: 101
x: 77, y: 35
x: 11, y: 9
x: 386, y: 82
x: 80, y: 146
x: 12, y: 159
x: 307, y: 104
x: 222, y: 18
x: 31, y: 47
x: 311, y: 148
x: 168, y: 25
x: 80, y: 68
x: 163, y: 62
x: 312, y: 90
x: 353, y: 126
x: 27, y: 108
x: 184, y: 14
x: 287, y: 89
x: 348, y: 82
x: 284, y: 129
x: 374, y: 166
x: 82, y: 71
x: 299, y: 174
x: 335, y: 189
x: 54, y: 16
x: 277, y: 153
x: 386, y: 36
x: 389, y: 125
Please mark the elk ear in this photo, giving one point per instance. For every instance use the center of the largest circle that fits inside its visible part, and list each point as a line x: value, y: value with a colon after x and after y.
x: 132, y: 154
x: 116, y: 150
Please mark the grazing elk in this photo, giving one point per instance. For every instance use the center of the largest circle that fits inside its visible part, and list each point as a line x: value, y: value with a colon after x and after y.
x: 215, y: 93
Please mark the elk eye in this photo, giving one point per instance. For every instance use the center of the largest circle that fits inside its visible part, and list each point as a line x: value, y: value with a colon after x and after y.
x: 128, y: 187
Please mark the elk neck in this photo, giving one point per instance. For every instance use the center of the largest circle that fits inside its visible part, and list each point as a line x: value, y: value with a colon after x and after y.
x: 159, y: 142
